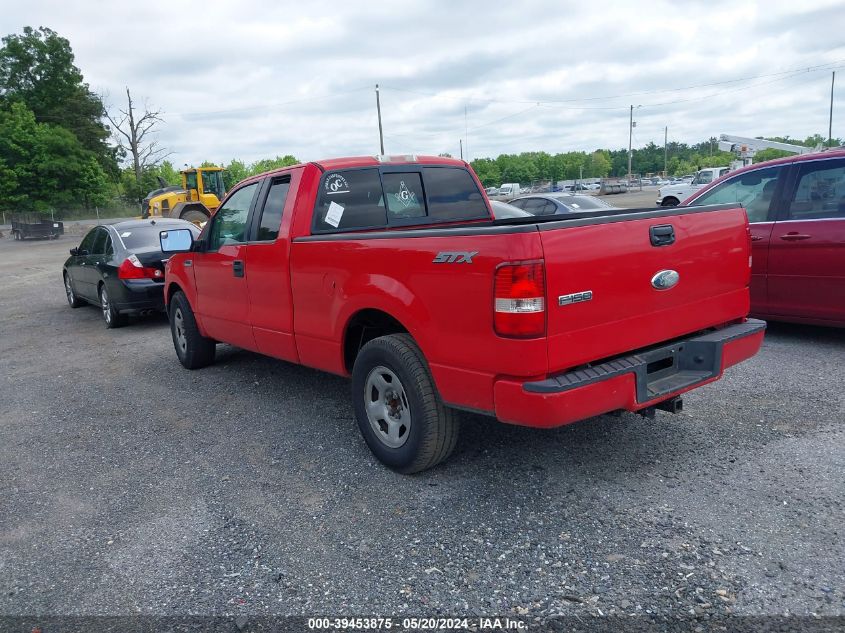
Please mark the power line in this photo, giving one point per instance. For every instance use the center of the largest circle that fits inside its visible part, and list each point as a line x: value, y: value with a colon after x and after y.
x: 786, y: 74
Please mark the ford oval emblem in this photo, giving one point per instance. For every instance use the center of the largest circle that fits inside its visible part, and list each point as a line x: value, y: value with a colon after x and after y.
x: 665, y: 279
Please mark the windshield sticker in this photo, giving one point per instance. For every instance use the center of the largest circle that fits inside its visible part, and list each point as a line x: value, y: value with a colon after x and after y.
x: 334, y: 214
x: 336, y: 183
x: 405, y: 195
x: 577, y: 206
x: 126, y: 234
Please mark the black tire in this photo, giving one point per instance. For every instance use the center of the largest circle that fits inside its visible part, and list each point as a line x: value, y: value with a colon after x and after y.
x: 196, y: 216
x: 192, y: 348
x: 72, y: 299
x: 670, y: 202
x: 111, y: 317
x: 434, y: 427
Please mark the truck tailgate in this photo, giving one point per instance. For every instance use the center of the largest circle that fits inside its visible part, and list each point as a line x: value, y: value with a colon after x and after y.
x: 600, y: 272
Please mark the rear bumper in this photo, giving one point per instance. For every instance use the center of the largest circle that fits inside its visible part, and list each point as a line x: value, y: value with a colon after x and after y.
x: 631, y: 382
x: 132, y: 296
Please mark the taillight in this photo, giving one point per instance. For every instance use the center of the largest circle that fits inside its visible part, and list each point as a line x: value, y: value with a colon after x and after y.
x: 132, y: 268
x: 519, y: 295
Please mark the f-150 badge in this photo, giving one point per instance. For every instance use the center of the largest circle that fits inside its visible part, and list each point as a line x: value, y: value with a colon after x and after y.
x: 575, y: 297
x: 454, y: 257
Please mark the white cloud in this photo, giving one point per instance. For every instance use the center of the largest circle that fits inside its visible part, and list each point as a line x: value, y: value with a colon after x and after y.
x: 254, y: 79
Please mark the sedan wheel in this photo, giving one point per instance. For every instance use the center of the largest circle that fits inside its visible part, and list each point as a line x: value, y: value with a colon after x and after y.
x: 111, y: 316
x: 72, y: 299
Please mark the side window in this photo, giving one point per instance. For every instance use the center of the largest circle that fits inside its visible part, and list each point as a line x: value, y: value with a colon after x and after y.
x: 99, y: 247
x: 453, y: 195
x: 404, y: 195
x: 548, y: 208
x: 274, y: 206
x: 191, y: 180
x: 88, y: 241
x: 534, y: 206
x: 820, y: 191
x: 109, y: 250
x: 753, y: 189
x: 229, y: 223
x: 519, y: 204
x: 350, y: 200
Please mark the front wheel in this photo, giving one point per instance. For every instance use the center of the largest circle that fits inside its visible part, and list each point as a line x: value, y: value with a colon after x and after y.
x: 670, y: 202
x: 192, y: 348
x: 399, y: 412
x: 72, y: 299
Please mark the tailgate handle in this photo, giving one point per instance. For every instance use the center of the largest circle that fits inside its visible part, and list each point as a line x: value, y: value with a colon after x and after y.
x: 238, y: 268
x: 662, y: 235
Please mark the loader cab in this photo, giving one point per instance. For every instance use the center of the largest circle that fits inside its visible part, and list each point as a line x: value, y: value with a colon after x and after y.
x: 205, y: 185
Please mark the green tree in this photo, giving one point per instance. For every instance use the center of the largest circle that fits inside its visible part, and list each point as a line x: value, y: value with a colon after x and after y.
x: 37, y: 69
x: 45, y: 166
x: 487, y: 171
x: 268, y: 164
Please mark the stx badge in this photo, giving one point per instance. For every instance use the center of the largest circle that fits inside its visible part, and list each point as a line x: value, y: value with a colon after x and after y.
x: 454, y: 257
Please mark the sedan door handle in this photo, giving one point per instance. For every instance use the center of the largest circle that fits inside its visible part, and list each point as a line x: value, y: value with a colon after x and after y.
x: 756, y: 238
x: 794, y: 237
x: 238, y: 268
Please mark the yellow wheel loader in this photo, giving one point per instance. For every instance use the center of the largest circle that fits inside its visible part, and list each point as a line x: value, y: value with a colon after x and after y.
x: 199, y: 196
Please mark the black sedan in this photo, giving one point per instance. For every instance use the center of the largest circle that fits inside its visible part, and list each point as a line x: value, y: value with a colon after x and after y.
x: 560, y: 203
x: 120, y: 267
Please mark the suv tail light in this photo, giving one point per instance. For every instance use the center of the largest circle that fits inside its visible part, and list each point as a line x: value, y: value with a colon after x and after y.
x: 519, y: 296
x: 132, y: 268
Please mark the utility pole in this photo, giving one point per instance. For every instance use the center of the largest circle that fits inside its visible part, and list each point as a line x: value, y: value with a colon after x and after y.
x: 380, y: 133
x: 461, y: 141
x: 665, y: 151
x: 630, y: 134
x: 830, y: 121
x: 466, y: 130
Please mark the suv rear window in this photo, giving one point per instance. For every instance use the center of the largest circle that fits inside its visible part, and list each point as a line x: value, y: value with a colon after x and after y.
x: 355, y: 199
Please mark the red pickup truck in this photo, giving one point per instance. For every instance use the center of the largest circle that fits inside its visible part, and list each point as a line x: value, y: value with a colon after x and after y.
x: 394, y: 271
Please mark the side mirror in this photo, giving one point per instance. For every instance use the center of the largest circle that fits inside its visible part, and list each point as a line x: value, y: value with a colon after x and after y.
x: 176, y: 241
x: 74, y: 251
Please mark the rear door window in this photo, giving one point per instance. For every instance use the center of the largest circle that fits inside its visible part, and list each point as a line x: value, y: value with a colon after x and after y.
x: 271, y: 215
x: 820, y: 192
x: 350, y: 200
x: 99, y: 247
x: 453, y: 195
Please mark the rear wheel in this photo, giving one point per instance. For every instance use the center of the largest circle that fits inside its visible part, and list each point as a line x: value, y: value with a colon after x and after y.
x: 112, y: 317
x: 399, y: 412
x: 194, y: 215
x: 670, y: 202
x: 72, y: 299
x: 192, y: 348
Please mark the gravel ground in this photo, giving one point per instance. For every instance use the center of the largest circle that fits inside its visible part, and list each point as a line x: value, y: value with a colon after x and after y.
x: 129, y: 485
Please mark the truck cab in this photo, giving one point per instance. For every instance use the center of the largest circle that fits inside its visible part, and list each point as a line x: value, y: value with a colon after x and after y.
x: 673, y: 195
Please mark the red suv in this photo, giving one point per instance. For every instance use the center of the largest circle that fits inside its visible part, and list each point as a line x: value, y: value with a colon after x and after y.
x: 796, y: 207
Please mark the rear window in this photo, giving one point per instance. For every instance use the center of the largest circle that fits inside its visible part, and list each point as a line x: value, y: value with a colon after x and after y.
x: 350, y: 200
x: 453, y: 195
x: 145, y: 238
x: 361, y: 198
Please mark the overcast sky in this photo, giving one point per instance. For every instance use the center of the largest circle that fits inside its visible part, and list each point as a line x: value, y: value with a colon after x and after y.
x: 255, y: 79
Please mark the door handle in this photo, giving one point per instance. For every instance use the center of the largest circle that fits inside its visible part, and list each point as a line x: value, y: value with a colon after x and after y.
x: 794, y: 237
x: 238, y: 268
x: 756, y: 238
